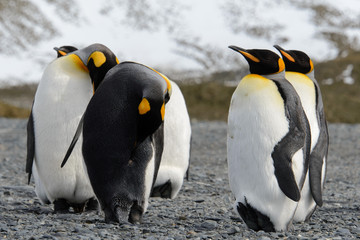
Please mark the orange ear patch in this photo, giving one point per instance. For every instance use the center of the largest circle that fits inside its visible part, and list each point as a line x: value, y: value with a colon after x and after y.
x: 311, y: 66
x: 162, y: 111
x: 144, y: 106
x: 98, y: 58
x: 281, y: 65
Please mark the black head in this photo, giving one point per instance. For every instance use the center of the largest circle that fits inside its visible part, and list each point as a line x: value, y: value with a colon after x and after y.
x: 98, y: 60
x: 261, y: 61
x: 296, y: 61
x: 64, y: 50
x: 154, y: 90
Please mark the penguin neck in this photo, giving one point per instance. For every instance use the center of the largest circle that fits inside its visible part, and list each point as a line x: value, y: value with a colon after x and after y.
x: 311, y: 75
x: 276, y: 76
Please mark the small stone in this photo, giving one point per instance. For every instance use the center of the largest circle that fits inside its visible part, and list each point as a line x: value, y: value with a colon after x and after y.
x: 344, y: 231
x: 233, y: 230
x: 264, y: 238
x: 355, y: 230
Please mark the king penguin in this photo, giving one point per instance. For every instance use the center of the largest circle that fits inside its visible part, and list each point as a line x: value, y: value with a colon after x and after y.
x: 60, y: 100
x: 177, y: 137
x: 300, y: 73
x: 268, y: 143
x: 123, y: 138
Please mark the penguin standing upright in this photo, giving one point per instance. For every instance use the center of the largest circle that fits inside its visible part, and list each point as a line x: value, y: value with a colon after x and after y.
x: 268, y: 143
x: 123, y: 139
x: 60, y: 100
x: 300, y: 73
x: 176, y: 153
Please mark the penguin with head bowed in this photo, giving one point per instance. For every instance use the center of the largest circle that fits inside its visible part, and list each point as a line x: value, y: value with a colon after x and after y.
x: 177, y: 137
x: 268, y: 143
x: 300, y: 73
x: 123, y: 138
x: 60, y: 100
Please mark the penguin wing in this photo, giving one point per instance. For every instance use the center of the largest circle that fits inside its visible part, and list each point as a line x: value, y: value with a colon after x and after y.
x: 158, y: 140
x: 319, y: 153
x: 74, y: 141
x: 30, y: 145
x: 297, y: 137
x: 282, y: 156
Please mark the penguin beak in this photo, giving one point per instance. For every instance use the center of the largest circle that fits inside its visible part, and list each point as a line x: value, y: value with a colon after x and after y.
x: 62, y: 53
x: 244, y: 53
x: 284, y: 53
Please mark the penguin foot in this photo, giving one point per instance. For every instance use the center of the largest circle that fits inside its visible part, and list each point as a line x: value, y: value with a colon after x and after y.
x: 163, y: 191
x: 61, y: 206
x: 254, y: 219
x: 136, y: 213
x: 78, y: 207
x: 92, y: 204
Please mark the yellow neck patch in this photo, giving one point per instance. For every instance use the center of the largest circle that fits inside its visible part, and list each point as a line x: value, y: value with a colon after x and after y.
x: 144, y: 106
x: 285, y: 54
x: 117, y: 60
x: 166, y: 80
x: 78, y: 62
x: 162, y: 111
x: 299, y: 78
x: 281, y: 65
x: 98, y: 58
x: 249, y: 56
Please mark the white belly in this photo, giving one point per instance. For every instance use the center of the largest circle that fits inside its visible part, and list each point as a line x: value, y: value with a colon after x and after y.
x: 177, y: 134
x: 60, y: 101
x: 305, y: 88
x: 256, y: 123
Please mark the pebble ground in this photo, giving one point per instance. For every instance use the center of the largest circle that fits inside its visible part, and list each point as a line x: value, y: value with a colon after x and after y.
x: 203, y: 208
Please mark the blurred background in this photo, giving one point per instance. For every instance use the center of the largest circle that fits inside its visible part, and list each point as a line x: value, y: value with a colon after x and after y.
x: 187, y: 41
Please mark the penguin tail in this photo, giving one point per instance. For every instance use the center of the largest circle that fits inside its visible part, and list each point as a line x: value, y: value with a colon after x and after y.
x: 254, y: 219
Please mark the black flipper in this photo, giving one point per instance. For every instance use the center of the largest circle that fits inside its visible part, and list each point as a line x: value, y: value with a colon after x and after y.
x: 188, y: 169
x: 254, y: 219
x: 158, y: 140
x: 298, y: 137
x: 319, y: 152
x: 74, y: 141
x: 30, y: 146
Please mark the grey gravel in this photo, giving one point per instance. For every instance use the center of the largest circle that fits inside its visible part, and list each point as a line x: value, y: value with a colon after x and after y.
x: 203, y: 208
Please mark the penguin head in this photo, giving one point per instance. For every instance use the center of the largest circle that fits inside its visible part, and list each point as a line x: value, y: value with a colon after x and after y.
x: 296, y: 61
x: 97, y: 59
x: 261, y: 61
x: 64, y: 50
x: 156, y: 92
